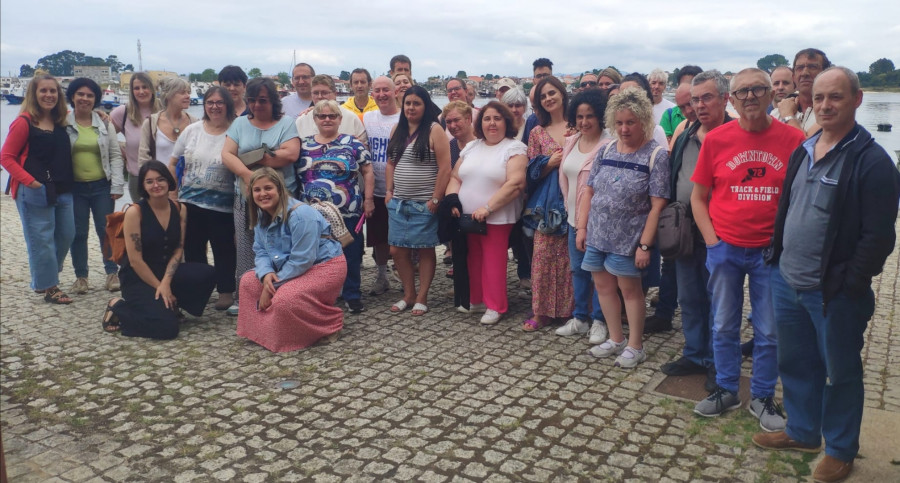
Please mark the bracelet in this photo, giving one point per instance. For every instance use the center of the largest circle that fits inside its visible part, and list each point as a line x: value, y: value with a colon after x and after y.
x: 487, y: 206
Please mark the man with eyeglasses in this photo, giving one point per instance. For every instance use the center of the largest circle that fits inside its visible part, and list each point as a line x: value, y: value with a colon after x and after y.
x: 737, y: 184
x: 322, y: 88
x: 833, y: 232
x: 708, y: 96
x: 798, y: 111
x: 588, y: 81
x: 301, y: 99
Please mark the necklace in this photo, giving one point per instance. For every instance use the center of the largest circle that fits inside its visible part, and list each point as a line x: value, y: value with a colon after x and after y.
x: 175, y: 129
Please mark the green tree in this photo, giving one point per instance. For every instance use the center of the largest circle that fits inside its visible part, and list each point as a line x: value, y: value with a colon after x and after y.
x: 881, y: 66
x: 461, y: 75
x: 26, y: 71
x: 114, y: 65
x: 128, y: 68
x: 63, y: 63
x: 345, y: 76
x: 489, y: 77
x: 254, y: 72
x: 284, y: 78
x: 771, y: 61
x: 209, y: 75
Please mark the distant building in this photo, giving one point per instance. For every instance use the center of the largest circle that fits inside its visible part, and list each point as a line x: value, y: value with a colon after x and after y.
x: 102, y: 74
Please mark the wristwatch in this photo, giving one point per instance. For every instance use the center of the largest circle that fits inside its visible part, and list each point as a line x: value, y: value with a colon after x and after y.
x: 435, y: 201
x: 644, y: 248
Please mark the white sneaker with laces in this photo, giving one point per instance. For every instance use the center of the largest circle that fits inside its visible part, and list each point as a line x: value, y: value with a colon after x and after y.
x: 490, y: 317
x: 598, y: 332
x: 573, y: 327
x: 380, y: 286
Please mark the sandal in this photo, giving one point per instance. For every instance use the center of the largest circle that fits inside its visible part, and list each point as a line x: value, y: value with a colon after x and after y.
x: 110, y: 319
x: 399, y: 306
x: 532, y: 325
x: 419, y: 310
x: 56, y: 296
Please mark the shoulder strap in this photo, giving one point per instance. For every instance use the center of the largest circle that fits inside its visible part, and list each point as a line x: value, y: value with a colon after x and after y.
x: 653, y: 156
x: 608, y: 147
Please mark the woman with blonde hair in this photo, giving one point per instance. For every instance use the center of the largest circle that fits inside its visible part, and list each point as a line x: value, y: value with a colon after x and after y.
x: 128, y: 120
x: 288, y: 300
x: 38, y: 157
x: 161, y: 130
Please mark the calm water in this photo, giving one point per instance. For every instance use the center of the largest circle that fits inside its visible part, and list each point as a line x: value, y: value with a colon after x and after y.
x: 877, y: 108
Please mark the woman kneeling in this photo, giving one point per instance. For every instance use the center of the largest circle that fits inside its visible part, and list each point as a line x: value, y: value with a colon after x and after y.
x: 290, y: 296
x: 155, y: 284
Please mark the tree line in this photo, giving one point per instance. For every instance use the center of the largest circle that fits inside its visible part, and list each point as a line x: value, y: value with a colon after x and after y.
x: 63, y: 63
x: 881, y: 73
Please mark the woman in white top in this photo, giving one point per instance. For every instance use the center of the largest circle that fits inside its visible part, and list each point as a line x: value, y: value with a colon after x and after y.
x: 161, y: 130
x: 490, y: 181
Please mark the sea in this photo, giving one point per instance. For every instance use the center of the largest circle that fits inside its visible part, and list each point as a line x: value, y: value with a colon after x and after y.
x: 877, y: 108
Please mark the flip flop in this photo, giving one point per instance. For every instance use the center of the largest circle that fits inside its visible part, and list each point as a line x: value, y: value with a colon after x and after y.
x: 399, y: 306
x: 422, y: 309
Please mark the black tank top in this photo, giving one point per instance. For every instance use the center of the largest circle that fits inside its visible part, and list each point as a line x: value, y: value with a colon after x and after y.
x: 157, y: 244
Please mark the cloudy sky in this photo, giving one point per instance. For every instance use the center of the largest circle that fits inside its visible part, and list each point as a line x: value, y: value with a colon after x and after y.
x: 501, y: 38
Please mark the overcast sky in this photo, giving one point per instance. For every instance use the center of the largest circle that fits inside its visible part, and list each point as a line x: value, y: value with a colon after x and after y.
x: 500, y: 38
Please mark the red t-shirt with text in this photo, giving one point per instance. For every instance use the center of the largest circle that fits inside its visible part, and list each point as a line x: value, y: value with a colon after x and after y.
x: 745, y: 172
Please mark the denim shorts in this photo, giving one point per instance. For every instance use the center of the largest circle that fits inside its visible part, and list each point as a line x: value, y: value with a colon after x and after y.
x: 618, y: 265
x: 411, y: 225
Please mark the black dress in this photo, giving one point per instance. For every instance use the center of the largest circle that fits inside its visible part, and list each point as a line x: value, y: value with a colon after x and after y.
x: 140, y: 313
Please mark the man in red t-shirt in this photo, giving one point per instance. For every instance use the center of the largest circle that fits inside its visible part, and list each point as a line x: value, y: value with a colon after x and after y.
x: 737, y: 184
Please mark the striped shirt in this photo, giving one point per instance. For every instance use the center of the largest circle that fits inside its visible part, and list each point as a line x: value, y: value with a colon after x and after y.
x: 414, y: 179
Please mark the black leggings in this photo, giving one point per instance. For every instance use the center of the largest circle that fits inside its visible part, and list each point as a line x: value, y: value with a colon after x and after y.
x: 216, y: 228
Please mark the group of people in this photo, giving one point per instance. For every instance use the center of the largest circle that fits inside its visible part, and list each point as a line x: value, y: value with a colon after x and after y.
x: 576, y: 189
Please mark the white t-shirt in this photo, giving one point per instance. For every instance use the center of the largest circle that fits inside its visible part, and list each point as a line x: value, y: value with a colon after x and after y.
x: 482, y: 172
x: 378, y: 128
x: 571, y: 168
x: 660, y: 109
x: 292, y: 105
x: 206, y: 183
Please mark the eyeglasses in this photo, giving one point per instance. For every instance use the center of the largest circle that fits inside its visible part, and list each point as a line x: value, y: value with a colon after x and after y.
x: 215, y: 103
x: 454, y: 89
x: 322, y: 117
x: 588, y: 84
x: 541, y: 75
x: 705, y: 98
x: 743, y: 94
x: 257, y: 100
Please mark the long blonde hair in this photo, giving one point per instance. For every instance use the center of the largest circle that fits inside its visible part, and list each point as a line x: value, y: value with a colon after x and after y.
x: 133, y: 110
x: 254, y: 213
x: 33, y: 108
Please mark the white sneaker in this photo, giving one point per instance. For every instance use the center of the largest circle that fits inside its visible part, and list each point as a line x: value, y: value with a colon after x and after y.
x: 631, y: 357
x: 598, y: 332
x: 608, y: 348
x: 573, y: 327
x: 462, y: 310
x: 477, y: 308
x: 490, y: 317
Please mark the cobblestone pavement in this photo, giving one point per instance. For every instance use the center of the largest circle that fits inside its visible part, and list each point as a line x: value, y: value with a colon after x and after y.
x: 398, y: 397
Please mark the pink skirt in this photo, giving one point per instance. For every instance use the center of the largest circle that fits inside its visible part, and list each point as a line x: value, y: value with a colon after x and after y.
x: 303, y: 309
x: 551, y: 278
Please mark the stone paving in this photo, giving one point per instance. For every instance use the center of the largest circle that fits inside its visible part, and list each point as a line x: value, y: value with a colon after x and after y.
x: 398, y: 397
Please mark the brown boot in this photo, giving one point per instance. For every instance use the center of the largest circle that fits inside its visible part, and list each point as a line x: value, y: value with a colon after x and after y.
x: 831, y: 469
x: 781, y: 441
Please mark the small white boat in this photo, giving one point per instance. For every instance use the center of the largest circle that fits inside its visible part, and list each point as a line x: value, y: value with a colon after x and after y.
x: 110, y: 99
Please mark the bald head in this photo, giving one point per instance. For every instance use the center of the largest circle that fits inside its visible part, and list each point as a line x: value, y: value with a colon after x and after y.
x: 683, y: 101
x: 383, y: 93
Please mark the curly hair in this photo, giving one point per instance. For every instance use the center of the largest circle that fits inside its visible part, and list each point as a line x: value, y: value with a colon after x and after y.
x: 635, y: 100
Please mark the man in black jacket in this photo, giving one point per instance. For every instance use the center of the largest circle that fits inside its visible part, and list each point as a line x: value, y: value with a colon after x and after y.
x: 833, y: 231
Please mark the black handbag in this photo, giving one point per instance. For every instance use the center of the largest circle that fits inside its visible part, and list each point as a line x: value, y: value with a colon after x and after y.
x: 467, y: 224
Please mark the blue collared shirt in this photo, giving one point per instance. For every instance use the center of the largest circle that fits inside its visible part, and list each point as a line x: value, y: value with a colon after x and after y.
x: 289, y: 248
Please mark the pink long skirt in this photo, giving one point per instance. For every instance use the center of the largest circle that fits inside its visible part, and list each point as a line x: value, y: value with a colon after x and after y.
x: 302, y: 312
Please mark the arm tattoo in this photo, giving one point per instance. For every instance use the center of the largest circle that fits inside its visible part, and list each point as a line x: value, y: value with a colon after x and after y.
x: 172, y: 268
x: 136, y: 238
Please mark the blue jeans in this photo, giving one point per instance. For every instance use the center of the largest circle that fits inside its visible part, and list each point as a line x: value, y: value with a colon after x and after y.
x: 821, y: 369
x: 728, y: 265
x: 587, y: 306
x: 48, y: 231
x: 668, y: 290
x: 89, y: 198
x: 353, y: 253
x: 696, y: 322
